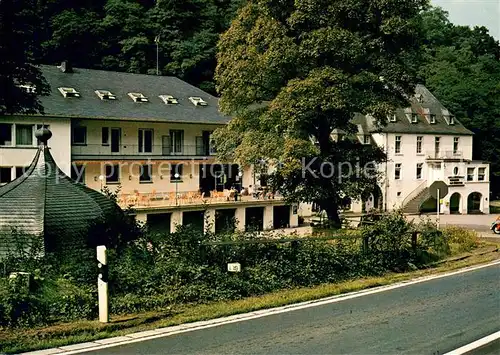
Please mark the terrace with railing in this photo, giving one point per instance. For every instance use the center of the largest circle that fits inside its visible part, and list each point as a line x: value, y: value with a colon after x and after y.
x: 193, y: 198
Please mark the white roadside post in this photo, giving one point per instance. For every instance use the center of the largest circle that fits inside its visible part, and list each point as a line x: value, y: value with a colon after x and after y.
x: 102, y: 284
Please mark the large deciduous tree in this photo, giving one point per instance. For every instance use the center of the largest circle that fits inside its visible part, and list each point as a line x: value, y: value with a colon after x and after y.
x: 17, y: 58
x: 314, y: 64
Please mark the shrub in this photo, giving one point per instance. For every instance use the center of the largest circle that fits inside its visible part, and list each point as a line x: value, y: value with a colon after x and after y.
x: 461, y: 239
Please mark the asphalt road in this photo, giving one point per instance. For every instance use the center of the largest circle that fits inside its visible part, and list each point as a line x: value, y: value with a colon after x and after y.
x: 432, y: 317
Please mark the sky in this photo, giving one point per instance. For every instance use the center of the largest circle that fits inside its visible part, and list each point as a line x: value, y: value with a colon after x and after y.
x: 473, y: 12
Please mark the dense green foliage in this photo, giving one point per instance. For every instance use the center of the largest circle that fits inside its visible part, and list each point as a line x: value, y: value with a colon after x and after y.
x: 156, y: 272
x: 316, y: 63
x: 462, y: 69
x: 120, y: 35
x: 17, y: 54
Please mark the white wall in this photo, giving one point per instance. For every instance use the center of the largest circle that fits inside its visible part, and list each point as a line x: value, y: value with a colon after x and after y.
x: 14, y: 156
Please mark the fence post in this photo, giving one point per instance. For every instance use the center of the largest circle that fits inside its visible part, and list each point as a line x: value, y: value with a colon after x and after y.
x: 366, y: 244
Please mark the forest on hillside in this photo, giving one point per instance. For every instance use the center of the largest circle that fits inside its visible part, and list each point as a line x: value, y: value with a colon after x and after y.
x: 460, y: 65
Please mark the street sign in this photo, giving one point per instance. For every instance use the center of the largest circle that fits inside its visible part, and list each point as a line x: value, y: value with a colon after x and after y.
x: 438, y: 185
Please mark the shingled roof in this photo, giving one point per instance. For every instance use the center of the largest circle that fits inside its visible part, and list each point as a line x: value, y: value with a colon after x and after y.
x: 89, y: 105
x: 44, y: 202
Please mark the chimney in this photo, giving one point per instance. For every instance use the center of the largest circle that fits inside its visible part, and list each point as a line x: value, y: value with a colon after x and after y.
x: 66, y: 67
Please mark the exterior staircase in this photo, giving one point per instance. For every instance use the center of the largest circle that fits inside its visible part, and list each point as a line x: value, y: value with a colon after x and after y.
x: 413, y: 205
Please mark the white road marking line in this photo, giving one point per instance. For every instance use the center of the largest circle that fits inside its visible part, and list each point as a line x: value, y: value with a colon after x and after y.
x: 189, y: 327
x: 476, y: 344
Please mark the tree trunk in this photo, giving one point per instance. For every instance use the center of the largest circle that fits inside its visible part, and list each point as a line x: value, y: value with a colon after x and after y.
x: 332, y: 211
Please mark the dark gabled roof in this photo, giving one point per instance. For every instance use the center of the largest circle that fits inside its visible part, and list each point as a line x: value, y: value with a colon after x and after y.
x: 430, y: 102
x: 44, y: 202
x: 89, y: 105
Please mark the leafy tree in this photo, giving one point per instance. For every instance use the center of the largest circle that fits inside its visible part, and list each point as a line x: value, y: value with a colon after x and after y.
x: 17, y: 58
x: 316, y: 63
x: 463, y: 70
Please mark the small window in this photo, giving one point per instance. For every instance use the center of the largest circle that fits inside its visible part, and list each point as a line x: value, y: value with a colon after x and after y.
x: 197, y: 101
x: 69, y: 92
x: 419, y: 171
x: 397, y: 172
x: 433, y: 119
x: 24, y: 134
x: 169, y: 99
x: 452, y: 120
x: 79, y: 135
x: 112, y: 174
x: 399, y: 193
x: 481, y: 174
x: 414, y: 118
x: 78, y: 173
x: 21, y: 170
x: 176, y: 172
x: 105, y: 135
x: 419, y: 144
x: 455, y: 171
x: 366, y: 139
x: 146, y: 173
x: 470, y: 174
x: 397, y: 147
x: 437, y: 146
x: 138, y: 97
x: 105, y: 95
x: 5, y: 134
x: 392, y: 118
x: 5, y: 175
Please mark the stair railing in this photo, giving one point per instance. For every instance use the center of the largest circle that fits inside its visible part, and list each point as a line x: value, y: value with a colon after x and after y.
x: 414, y: 193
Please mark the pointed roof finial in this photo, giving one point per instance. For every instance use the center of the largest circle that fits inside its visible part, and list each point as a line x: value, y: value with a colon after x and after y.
x: 43, y: 134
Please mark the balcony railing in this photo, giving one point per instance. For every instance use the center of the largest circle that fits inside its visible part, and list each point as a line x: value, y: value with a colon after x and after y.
x: 448, y: 154
x: 96, y: 151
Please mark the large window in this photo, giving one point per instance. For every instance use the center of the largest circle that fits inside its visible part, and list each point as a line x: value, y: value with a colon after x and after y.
x: 80, y: 135
x: 145, y: 140
x: 176, y: 141
x: 397, y: 172
x: 5, y: 175
x: 176, y: 172
x: 5, y: 134
x: 437, y: 146
x: 112, y: 174
x: 419, y: 171
x: 24, y: 134
x: 419, y: 144
x: 146, y: 173
x: 397, y: 148
x: 105, y: 135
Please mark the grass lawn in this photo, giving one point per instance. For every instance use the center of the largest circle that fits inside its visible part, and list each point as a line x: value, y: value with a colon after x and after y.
x: 19, y: 340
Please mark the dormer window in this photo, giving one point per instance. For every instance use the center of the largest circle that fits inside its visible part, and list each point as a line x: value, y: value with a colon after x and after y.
x: 366, y: 139
x: 169, y: 99
x: 69, y: 92
x: 414, y: 118
x: 448, y: 117
x: 138, y: 97
x: 105, y: 95
x: 392, y: 118
x: 433, y: 119
x: 30, y: 89
x: 419, y: 98
x: 452, y: 120
x: 197, y: 101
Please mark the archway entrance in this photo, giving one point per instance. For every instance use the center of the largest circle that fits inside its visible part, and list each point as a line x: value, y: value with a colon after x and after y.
x: 474, y: 203
x: 455, y: 203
